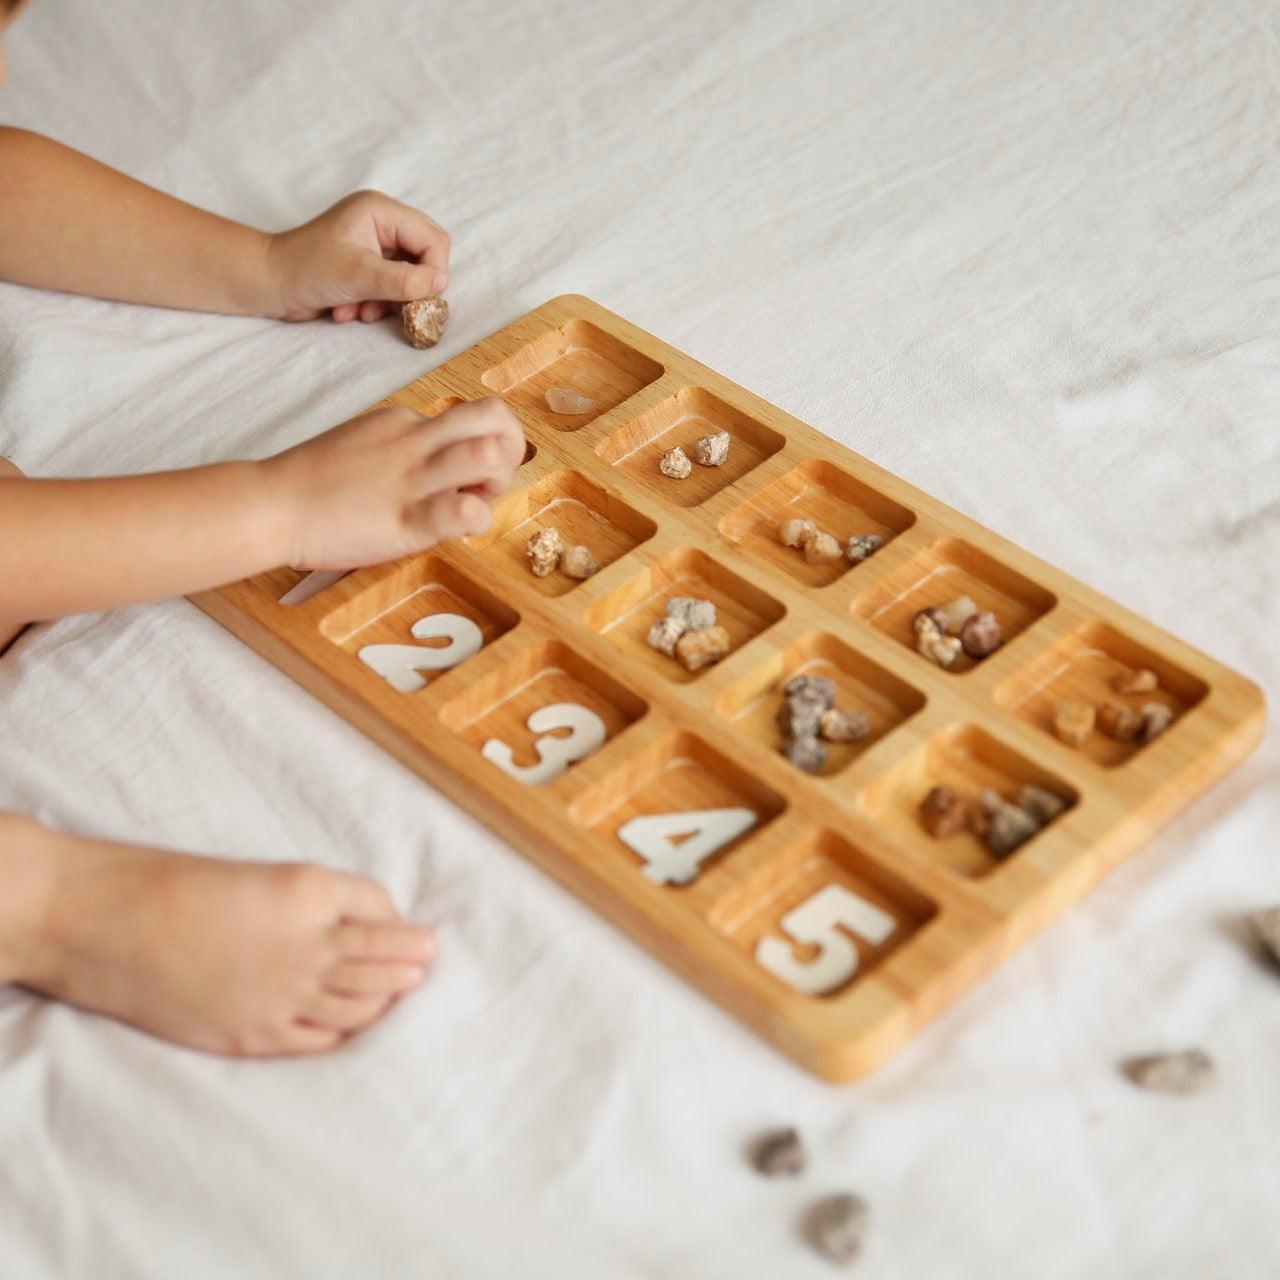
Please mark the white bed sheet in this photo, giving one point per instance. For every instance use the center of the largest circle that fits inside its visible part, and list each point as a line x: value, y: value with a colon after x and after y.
x: 1025, y: 256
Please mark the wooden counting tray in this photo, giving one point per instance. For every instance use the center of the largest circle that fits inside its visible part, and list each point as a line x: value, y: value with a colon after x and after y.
x: 826, y: 918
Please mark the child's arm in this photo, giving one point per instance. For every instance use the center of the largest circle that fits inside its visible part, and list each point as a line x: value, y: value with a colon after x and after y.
x: 70, y: 223
x: 381, y: 486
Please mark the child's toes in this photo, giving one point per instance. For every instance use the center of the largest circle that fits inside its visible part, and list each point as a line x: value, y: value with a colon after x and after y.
x: 301, y: 1037
x: 345, y: 1013
x: 371, y: 978
x: 384, y: 940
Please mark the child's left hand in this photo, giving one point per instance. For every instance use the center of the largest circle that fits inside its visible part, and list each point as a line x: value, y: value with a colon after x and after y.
x: 360, y: 259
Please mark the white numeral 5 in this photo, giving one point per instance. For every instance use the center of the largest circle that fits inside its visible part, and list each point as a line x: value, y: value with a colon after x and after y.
x: 555, y: 755
x: 652, y: 836
x: 399, y: 664
x: 815, y: 921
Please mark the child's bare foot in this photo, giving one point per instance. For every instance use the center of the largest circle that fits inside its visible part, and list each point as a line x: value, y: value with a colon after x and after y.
x: 231, y: 957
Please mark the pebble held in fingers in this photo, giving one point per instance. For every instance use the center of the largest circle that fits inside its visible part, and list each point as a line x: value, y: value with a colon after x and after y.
x: 424, y: 321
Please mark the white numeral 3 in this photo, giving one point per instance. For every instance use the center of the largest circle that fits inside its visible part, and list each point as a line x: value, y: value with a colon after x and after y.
x: 399, y: 664
x: 653, y: 837
x: 815, y: 921
x: 555, y: 755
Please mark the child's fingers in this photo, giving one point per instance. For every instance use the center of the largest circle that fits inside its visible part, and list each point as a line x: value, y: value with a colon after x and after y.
x: 450, y: 515
x: 371, y: 311
x: 387, y: 279
x: 487, y: 417
x: 404, y: 229
x: 346, y: 311
x: 482, y: 460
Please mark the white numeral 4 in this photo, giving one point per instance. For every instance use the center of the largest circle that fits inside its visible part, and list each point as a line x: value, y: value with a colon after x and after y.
x: 815, y: 921
x: 400, y: 664
x: 555, y: 755
x: 653, y: 836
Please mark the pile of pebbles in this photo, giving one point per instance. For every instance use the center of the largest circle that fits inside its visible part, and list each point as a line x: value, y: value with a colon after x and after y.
x: 1075, y: 720
x: 820, y: 547
x: 1003, y: 825
x: 547, y: 551
x: 688, y: 632
x: 708, y: 451
x: 944, y: 631
x: 809, y: 719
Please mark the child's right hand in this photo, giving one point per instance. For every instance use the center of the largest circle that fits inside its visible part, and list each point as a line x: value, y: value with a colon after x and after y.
x: 391, y: 483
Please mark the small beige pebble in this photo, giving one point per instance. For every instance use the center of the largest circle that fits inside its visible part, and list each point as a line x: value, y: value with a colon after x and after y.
x: 805, y: 753
x: 578, y: 562
x: 712, y: 450
x: 1121, y: 723
x: 779, y: 1154
x: 794, y: 532
x: 1073, y: 722
x: 424, y: 320
x: 1041, y: 803
x: 822, y: 548
x: 1138, y: 680
x: 697, y: 614
x: 698, y: 649
x: 1185, y: 1071
x: 1266, y: 928
x: 862, y: 545
x: 544, y: 550
x: 675, y: 463
x: 956, y: 613
x: 837, y: 1227
x: 836, y: 725
x: 664, y: 633
x: 567, y: 401
x: 1156, y: 718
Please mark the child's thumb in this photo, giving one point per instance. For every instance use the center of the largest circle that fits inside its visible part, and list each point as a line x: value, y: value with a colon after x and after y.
x: 386, y: 280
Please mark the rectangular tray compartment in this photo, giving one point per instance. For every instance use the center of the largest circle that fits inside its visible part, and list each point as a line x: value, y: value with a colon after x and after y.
x: 835, y: 501
x: 968, y: 759
x: 577, y: 355
x: 625, y: 616
x: 752, y: 703
x: 947, y: 569
x: 682, y: 419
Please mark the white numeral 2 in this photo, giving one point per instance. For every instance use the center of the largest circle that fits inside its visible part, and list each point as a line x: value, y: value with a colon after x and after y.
x: 815, y: 921
x: 555, y: 755
x: 399, y: 664
x: 653, y: 837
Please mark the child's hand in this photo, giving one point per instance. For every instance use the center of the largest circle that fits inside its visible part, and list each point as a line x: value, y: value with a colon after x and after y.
x: 391, y: 482
x: 362, y: 258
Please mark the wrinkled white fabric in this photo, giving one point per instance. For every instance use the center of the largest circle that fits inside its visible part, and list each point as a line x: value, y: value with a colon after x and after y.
x: 1025, y: 256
